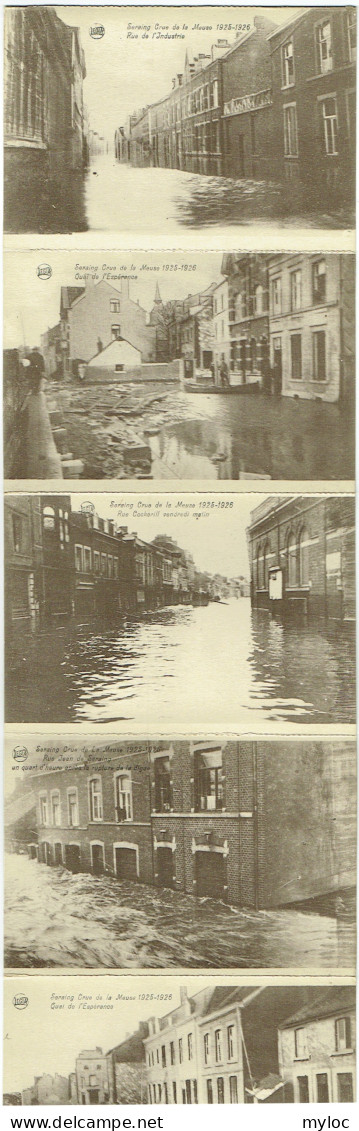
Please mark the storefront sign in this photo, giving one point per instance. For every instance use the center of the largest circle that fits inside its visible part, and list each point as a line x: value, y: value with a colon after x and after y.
x: 248, y: 102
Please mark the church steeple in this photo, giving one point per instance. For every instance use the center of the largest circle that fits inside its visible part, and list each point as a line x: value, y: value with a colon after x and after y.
x: 157, y: 299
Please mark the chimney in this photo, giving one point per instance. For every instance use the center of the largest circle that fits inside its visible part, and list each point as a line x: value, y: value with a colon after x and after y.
x: 183, y: 994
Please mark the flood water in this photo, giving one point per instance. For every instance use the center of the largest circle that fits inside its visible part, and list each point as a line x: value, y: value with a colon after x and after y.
x: 123, y: 198
x: 54, y: 918
x: 223, y: 664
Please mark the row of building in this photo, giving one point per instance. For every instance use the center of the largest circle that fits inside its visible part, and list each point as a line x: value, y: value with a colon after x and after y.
x: 62, y: 563
x: 199, y: 817
x: 223, y: 1045
x: 285, y: 322
x: 278, y: 104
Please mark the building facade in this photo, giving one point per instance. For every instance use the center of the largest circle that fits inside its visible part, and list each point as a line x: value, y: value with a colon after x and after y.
x: 311, y: 320
x: 249, y: 128
x: 92, y: 1083
x: 317, y: 1049
x: 102, y: 314
x: 301, y: 553
x: 203, y: 818
x: 248, y: 321
x: 44, y: 114
x: 313, y: 92
x: 127, y: 1068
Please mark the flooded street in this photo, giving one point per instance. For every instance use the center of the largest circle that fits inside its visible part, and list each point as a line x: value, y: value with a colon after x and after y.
x: 199, y: 436
x: 223, y: 664
x: 54, y: 918
x: 118, y: 198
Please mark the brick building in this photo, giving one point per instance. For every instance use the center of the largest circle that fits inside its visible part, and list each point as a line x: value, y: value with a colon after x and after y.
x: 249, y: 127
x: 317, y: 1049
x: 311, y: 321
x: 248, y: 321
x: 301, y: 552
x: 203, y: 818
x: 313, y: 92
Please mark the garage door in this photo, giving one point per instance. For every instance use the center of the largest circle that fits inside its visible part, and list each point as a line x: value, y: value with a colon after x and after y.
x: 210, y: 874
x: 126, y: 864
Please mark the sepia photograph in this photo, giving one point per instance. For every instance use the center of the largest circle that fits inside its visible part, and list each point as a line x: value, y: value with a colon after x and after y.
x: 167, y: 120
x: 209, y: 608
x: 165, y: 853
x: 154, y: 1041
x: 213, y: 366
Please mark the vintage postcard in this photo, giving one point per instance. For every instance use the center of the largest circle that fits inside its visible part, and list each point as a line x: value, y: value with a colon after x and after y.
x: 165, y: 854
x: 178, y: 121
x: 115, y: 1040
x: 200, y: 367
x: 234, y: 610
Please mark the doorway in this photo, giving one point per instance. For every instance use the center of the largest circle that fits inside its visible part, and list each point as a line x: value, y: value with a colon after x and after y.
x: 165, y: 867
x: 277, y: 366
x: 126, y: 863
x: 58, y: 853
x: 241, y: 157
x: 210, y: 874
x: 72, y: 857
x: 97, y: 859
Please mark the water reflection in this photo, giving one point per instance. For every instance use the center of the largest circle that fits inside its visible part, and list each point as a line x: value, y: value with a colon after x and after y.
x: 226, y: 438
x: 223, y: 663
x: 54, y: 918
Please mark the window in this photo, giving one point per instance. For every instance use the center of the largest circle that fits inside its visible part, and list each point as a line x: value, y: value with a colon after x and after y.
x: 238, y: 308
x: 303, y: 1088
x: 220, y: 1090
x: 324, y: 47
x: 296, y: 356
x: 233, y: 1090
x: 174, y: 1090
x: 300, y: 1044
x: 115, y: 306
x: 17, y: 531
x: 288, y: 64
x: 43, y: 809
x: 215, y: 93
x: 95, y: 788
x: 96, y: 562
x: 180, y: 1050
x: 319, y: 281
x: 195, y: 1091
x: 230, y: 1042
x: 290, y: 130
x: 78, y: 559
x: 190, y: 1046
x: 319, y: 361
x: 292, y: 581
x: 345, y: 1088
x: 208, y: 780
x: 55, y: 808
x: 296, y: 290
x: 165, y: 1092
x: 351, y: 18
x: 116, y: 332
x: 115, y: 567
x: 206, y: 1047
x: 48, y: 518
x: 322, y: 1088
x: 110, y: 565
x: 304, y: 575
x: 218, y: 1045
x: 73, y: 809
x: 163, y: 1056
x: 87, y: 559
x: 104, y: 565
x: 25, y: 94
x: 258, y: 300
x: 123, y: 788
x: 172, y: 1053
x: 343, y: 1039
x: 277, y: 296
x: 330, y: 121
x: 265, y: 567
x: 163, y: 789
x: 209, y: 1092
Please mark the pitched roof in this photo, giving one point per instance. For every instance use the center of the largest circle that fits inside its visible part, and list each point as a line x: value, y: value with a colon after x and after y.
x: 329, y: 1001
x: 227, y: 995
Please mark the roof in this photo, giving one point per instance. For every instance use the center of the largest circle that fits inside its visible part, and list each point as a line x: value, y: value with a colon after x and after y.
x: 68, y: 296
x: 228, y: 995
x: 115, y: 353
x: 266, y: 1087
x: 289, y: 23
x: 334, y: 1000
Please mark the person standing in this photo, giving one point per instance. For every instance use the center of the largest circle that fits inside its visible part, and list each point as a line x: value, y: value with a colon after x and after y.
x: 224, y: 373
